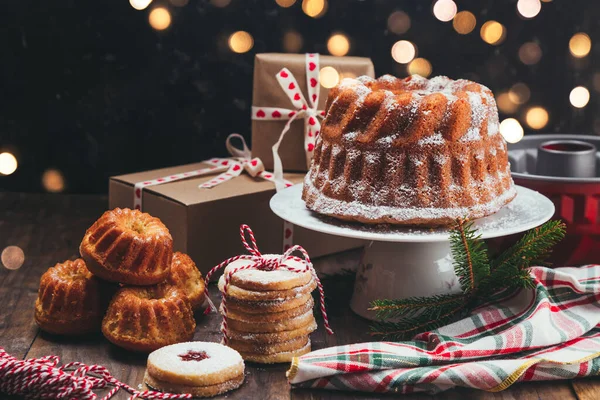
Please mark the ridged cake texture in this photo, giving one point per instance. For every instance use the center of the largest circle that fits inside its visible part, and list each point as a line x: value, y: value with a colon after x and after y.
x: 409, y: 151
x: 186, y: 276
x: 147, y: 318
x: 128, y: 246
x: 70, y: 299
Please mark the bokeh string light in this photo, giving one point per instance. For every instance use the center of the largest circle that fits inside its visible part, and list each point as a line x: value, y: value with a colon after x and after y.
x: 240, y: 42
x: 536, y: 117
x: 444, y: 10
x: 530, y: 53
x: 579, y: 97
x: 12, y: 257
x: 53, y: 181
x: 493, y: 32
x: 140, y: 4
x: 338, y: 44
x: 420, y: 66
x: 159, y: 18
x: 314, y: 8
x: 329, y: 77
x: 505, y: 104
x: 285, y: 3
x: 580, y: 45
x: 519, y: 93
x: 398, y: 22
x: 292, y: 41
x: 403, y: 51
x: 464, y: 22
x: 8, y: 163
x: 511, y: 130
x: 529, y: 8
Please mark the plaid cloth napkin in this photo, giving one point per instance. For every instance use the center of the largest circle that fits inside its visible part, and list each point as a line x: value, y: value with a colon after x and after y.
x: 545, y: 333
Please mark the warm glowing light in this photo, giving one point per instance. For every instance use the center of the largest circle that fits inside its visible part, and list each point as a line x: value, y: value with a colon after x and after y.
x: 53, y: 181
x: 159, y: 18
x: 512, y: 130
x: 505, y: 104
x: 285, y: 3
x: 464, y: 22
x: 529, y: 8
x: 240, y: 42
x: 444, y: 10
x: 403, y: 51
x: 179, y: 3
x: 292, y: 41
x: 519, y: 93
x: 140, y: 4
x: 328, y: 77
x: 338, y: 44
x: 220, y: 3
x: 530, y: 53
x: 580, y: 45
x: 12, y: 257
x: 314, y: 8
x: 419, y: 66
x: 579, y: 97
x: 8, y: 164
x: 536, y: 117
x: 493, y: 32
x: 398, y: 22
x: 345, y: 75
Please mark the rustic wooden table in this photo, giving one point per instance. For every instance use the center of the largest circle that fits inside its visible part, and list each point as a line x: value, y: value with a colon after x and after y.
x: 49, y: 227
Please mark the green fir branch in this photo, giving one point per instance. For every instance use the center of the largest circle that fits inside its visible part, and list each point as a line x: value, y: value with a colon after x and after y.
x: 482, y: 280
x: 469, y: 255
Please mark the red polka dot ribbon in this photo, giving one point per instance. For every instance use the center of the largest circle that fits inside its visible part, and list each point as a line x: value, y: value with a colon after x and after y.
x: 42, y: 378
x: 261, y: 262
x: 302, y: 109
x: 229, y: 168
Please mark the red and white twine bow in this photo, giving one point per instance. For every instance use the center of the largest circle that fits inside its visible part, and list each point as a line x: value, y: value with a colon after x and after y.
x: 42, y: 378
x: 302, y: 109
x: 230, y: 167
x: 267, y: 264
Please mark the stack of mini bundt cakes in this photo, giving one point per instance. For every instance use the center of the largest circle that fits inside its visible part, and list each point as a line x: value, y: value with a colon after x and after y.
x: 269, y: 312
x: 128, y: 254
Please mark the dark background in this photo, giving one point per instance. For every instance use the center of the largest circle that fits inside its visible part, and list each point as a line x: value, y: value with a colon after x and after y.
x: 90, y: 89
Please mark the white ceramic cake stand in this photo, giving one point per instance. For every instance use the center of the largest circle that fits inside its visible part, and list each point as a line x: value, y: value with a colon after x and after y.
x: 405, y: 262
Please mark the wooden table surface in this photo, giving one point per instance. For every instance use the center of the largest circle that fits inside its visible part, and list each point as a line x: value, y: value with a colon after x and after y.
x: 49, y: 228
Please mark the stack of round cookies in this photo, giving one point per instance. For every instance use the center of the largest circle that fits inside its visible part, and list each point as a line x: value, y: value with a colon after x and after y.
x: 269, y: 313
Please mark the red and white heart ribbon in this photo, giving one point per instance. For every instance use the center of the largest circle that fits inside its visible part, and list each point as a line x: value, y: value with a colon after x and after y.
x: 261, y: 262
x: 230, y: 168
x: 302, y: 109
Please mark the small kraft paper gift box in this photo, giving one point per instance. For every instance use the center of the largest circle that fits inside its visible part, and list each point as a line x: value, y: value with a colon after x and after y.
x: 204, y: 209
x: 290, y: 92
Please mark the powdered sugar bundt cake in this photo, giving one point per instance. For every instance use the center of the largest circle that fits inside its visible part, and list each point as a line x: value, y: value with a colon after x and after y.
x: 186, y: 276
x: 409, y: 151
x: 128, y: 246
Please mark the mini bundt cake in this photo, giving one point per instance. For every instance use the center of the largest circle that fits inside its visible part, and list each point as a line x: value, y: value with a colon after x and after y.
x: 409, y: 151
x: 185, y: 275
x: 147, y: 318
x: 128, y: 246
x: 71, y: 300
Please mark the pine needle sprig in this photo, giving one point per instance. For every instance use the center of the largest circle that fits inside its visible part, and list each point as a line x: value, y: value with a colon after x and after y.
x: 481, y: 280
x: 470, y: 257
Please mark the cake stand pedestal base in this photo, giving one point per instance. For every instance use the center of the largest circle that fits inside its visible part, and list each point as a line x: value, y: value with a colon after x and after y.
x: 399, y: 270
x: 400, y: 262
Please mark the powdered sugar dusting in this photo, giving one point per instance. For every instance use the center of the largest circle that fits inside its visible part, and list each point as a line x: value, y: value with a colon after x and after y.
x: 436, y: 138
x: 263, y: 277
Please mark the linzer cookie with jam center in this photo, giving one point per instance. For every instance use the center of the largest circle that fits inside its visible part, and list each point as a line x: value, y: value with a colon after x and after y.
x: 198, y: 368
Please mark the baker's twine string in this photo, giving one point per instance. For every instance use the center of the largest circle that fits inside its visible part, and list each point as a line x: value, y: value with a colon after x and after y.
x: 267, y: 264
x: 42, y: 378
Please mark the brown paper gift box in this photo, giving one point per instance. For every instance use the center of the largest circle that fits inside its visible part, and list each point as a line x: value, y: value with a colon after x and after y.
x: 205, y: 222
x: 266, y: 92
